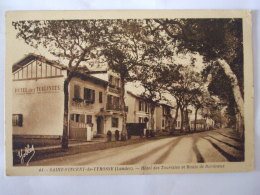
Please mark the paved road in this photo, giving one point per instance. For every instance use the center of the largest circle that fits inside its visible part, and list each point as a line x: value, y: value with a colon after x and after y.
x: 212, y: 146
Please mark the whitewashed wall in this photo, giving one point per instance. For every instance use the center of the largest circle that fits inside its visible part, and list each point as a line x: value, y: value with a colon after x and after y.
x: 42, y: 110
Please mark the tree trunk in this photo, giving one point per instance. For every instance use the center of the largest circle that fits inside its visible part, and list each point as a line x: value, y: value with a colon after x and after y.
x: 195, y: 120
x: 182, y: 118
x: 176, y: 115
x: 152, y: 117
x: 65, y: 134
x: 235, y: 87
x: 122, y: 97
x: 187, y: 122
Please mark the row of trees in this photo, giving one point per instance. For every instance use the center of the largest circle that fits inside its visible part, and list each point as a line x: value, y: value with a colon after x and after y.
x: 145, y: 50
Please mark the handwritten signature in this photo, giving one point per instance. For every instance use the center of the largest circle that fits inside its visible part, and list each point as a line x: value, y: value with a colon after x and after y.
x: 23, y: 153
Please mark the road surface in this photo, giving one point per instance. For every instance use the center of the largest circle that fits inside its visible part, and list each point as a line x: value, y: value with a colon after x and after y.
x: 211, y: 146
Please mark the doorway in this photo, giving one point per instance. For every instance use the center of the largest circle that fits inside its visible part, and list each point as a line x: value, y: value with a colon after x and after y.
x: 100, y: 125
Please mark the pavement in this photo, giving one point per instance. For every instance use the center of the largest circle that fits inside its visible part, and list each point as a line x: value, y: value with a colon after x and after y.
x: 220, y: 145
x: 78, y: 143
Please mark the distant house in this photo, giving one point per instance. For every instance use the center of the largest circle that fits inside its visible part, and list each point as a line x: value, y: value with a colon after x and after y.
x: 202, y: 124
x: 38, y: 101
x: 164, y: 117
x: 138, y: 110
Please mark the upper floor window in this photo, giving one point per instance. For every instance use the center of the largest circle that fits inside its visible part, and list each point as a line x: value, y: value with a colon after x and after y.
x: 113, y: 102
x: 166, y: 110
x: 76, y: 91
x: 143, y: 106
x: 89, y: 95
x: 113, y: 81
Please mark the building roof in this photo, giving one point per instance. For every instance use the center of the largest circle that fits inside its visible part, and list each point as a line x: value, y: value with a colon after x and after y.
x: 134, y: 95
x: 31, y: 57
x: 167, y: 105
x: 86, y: 76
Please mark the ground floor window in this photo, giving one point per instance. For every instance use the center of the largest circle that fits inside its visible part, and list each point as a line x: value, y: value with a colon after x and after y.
x: 82, y: 118
x: 79, y: 118
x: 17, y: 120
x: 114, y: 122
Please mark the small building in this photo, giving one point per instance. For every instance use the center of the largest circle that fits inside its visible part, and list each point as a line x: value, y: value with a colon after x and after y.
x: 38, y: 101
x: 138, y: 110
x: 164, y: 117
x: 202, y: 124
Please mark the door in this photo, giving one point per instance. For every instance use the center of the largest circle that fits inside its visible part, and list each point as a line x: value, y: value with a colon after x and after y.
x: 100, y: 125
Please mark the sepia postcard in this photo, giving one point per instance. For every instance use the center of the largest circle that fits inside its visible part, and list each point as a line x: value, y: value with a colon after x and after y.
x: 128, y: 92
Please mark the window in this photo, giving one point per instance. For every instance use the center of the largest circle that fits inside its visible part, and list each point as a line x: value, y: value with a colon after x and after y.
x: 89, y: 119
x: 17, y: 120
x: 179, y: 123
x: 113, y: 102
x: 143, y: 106
x: 76, y: 118
x: 76, y: 91
x: 100, y: 97
x: 116, y: 102
x: 109, y: 100
x: 114, y: 122
x: 72, y: 117
x: 113, y: 81
x: 116, y: 82
x: 89, y: 95
x: 146, y: 107
x: 140, y: 119
x: 82, y: 118
x: 79, y: 118
x: 162, y: 123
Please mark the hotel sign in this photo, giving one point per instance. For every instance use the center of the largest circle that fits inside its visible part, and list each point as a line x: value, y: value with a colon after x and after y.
x: 38, y: 89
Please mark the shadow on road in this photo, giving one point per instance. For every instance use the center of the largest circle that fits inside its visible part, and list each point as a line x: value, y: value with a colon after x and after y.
x: 147, y: 154
x: 233, y: 138
x: 162, y: 158
x: 199, y: 157
x: 230, y: 145
x: 228, y: 156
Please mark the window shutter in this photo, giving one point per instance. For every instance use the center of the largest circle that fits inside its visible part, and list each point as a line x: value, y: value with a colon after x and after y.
x: 76, y: 91
x: 20, y: 120
x: 93, y: 96
x: 100, y: 97
x: 85, y: 93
